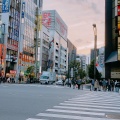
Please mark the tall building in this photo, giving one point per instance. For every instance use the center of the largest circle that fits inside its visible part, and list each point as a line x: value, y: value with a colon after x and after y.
x: 83, y: 62
x: 92, y: 54
x: 112, y: 39
x: 101, y: 60
x: 71, y: 51
x: 19, y: 17
x: 11, y: 19
x: 58, y: 53
x: 43, y: 49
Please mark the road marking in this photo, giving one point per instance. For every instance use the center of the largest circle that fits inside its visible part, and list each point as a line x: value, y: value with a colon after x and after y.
x: 105, y: 99
x: 112, y: 102
x: 35, y: 119
x: 92, y: 103
x: 91, y: 106
x: 70, y: 117
x: 76, y: 112
x: 89, y: 109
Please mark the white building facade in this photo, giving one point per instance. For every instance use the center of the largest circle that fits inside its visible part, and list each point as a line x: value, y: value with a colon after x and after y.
x: 58, y: 53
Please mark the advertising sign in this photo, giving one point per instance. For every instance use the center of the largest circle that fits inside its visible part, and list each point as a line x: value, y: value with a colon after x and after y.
x: 5, y: 6
x: 52, y: 20
x: 118, y: 48
x: 46, y: 20
x: 13, y: 72
x: 115, y: 74
x: 23, y: 11
x: 119, y: 10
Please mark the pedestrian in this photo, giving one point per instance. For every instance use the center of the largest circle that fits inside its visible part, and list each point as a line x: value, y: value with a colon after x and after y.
x: 116, y: 86
x: 112, y: 85
x: 79, y: 83
x: 92, y: 84
x: 0, y: 79
x: 63, y: 81
x: 109, y: 85
x: 70, y: 83
x: 8, y: 80
x: 104, y: 84
x: 96, y: 85
x: 100, y: 85
x: 73, y: 83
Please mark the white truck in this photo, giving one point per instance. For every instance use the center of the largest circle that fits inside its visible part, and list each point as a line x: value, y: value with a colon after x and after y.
x: 47, y: 77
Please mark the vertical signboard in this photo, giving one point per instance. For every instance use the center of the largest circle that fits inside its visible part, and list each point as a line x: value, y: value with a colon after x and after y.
x: 46, y: 20
x: 118, y: 48
x: 23, y: 12
x: 5, y: 6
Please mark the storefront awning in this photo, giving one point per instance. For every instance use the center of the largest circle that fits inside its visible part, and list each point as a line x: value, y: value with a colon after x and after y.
x: 112, y: 57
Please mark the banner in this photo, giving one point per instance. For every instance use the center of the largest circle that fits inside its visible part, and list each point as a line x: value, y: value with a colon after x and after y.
x: 5, y: 6
x: 98, y: 67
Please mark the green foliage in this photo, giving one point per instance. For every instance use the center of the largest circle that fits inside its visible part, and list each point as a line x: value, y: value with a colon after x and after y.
x: 91, y: 71
x: 78, y: 72
x: 81, y: 73
x: 30, y: 71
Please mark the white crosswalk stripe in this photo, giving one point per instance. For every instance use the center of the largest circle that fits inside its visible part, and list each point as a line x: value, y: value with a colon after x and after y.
x: 91, y: 106
x: 35, y: 119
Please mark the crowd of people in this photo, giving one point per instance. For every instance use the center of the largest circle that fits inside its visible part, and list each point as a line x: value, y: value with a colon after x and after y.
x: 105, y: 85
x: 7, y: 79
x: 74, y: 83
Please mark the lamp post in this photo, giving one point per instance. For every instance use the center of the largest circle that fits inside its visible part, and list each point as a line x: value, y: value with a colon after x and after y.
x: 95, y: 48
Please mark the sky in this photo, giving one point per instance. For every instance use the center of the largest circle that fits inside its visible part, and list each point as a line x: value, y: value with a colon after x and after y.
x: 80, y: 15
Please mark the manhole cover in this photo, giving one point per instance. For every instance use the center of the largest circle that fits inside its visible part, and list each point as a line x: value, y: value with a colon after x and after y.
x: 113, y: 116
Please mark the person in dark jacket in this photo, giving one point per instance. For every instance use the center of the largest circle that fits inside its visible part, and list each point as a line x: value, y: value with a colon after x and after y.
x: 79, y: 83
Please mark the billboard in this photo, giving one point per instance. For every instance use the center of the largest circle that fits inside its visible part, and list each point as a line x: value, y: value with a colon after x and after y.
x: 52, y: 20
x: 119, y: 10
x: 5, y: 6
x: 118, y: 48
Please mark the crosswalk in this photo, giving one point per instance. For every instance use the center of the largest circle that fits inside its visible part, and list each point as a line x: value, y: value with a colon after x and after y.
x: 90, y: 106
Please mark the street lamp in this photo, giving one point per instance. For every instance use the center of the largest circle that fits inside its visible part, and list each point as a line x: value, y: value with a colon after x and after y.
x: 95, y: 48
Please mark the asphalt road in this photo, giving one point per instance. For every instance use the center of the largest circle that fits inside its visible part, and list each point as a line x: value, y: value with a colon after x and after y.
x: 50, y: 102
x: 22, y: 101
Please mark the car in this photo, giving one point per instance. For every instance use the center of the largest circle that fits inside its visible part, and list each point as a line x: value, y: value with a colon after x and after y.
x: 59, y: 82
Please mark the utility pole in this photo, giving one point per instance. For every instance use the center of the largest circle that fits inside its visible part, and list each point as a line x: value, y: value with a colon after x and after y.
x: 95, y: 49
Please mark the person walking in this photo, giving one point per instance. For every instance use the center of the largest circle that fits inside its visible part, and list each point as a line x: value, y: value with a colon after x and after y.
x: 117, y: 86
x: 96, y: 85
x: 112, y: 85
x: 100, y: 85
x: 92, y: 84
x: 109, y: 85
x: 73, y: 83
x: 79, y: 83
x: 104, y: 85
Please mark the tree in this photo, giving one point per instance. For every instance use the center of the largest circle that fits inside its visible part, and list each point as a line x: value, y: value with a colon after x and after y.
x: 76, y: 66
x: 30, y: 71
x: 91, y: 71
x: 81, y: 73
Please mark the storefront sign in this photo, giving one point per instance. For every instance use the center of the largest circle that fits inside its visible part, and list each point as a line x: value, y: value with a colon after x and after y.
x: 118, y: 10
x: 5, y: 6
x: 115, y: 74
x: 12, y: 47
x: 13, y: 72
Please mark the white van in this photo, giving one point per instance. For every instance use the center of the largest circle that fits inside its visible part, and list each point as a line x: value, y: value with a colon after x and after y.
x: 47, y: 77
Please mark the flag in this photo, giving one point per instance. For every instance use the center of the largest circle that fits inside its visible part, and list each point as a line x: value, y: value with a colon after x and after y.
x: 98, y: 67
